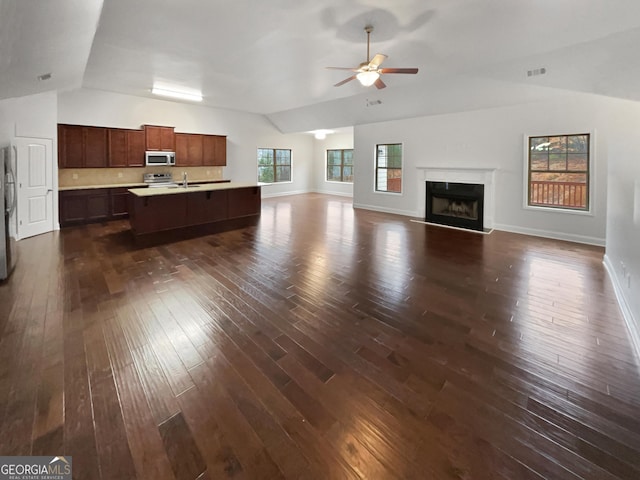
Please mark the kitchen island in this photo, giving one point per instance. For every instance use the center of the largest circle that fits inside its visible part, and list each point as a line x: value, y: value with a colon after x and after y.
x: 168, y: 213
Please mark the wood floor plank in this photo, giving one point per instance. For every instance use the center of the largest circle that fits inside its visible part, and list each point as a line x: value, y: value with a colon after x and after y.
x: 184, y: 455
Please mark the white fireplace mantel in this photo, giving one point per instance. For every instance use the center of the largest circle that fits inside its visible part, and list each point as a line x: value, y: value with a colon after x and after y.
x: 479, y: 175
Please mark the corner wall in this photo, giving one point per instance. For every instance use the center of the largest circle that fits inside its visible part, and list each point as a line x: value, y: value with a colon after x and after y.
x: 333, y: 141
x: 491, y: 138
x: 622, y: 257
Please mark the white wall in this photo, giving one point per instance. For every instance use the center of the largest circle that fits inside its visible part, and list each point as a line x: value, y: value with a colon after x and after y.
x: 623, y: 212
x: 32, y: 116
x: 492, y: 138
x: 245, y: 132
x: 333, y: 141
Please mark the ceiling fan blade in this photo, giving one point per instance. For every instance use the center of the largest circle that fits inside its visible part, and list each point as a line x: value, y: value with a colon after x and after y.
x: 398, y: 70
x: 352, y: 77
x: 377, y: 60
x: 379, y: 83
x: 342, y: 68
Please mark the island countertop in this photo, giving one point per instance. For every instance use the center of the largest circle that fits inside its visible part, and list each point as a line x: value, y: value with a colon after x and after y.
x: 155, y: 191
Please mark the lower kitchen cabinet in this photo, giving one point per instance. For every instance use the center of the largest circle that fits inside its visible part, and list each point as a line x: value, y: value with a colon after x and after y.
x: 78, y: 207
x: 119, y: 202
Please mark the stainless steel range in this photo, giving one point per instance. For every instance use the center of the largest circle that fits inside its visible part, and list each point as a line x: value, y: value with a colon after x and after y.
x: 159, y: 180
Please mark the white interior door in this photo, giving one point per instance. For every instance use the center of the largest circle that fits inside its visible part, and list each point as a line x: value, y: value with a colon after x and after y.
x: 34, y: 165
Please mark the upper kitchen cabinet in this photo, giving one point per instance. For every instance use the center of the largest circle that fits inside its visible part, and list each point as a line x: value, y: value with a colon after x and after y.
x: 160, y: 138
x: 189, y: 148
x: 126, y: 147
x: 136, y: 148
x: 214, y: 150
x: 118, y: 148
x: 70, y: 146
x: 80, y: 146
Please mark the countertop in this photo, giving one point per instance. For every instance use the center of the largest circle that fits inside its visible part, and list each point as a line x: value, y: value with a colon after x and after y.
x: 207, y: 187
x: 132, y: 185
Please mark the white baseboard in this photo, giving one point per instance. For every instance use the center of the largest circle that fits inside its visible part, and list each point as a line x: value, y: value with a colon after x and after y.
x: 283, y: 194
x: 376, y: 208
x: 329, y: 192
x: 632, y: 325
x: 569, y: 237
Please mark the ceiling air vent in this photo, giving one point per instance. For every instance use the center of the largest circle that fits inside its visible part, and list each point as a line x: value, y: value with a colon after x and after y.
x: 43, y: 77
x: 536, y: 72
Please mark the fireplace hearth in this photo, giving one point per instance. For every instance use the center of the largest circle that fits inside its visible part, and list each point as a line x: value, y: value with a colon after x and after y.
x: 455, y: 204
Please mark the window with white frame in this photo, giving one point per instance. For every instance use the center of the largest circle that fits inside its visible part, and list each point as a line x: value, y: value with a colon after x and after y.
x: 274, y: 165
x: 340, y: 165
x: 389, y: 168
x: 558, y: 171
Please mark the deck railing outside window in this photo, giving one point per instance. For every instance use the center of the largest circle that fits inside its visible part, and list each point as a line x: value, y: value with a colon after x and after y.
x: 558, y: 194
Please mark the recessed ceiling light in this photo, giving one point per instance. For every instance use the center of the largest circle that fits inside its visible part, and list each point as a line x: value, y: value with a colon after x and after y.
x: 321, y: 134
x: 44, y: 76
x: 194, y: 97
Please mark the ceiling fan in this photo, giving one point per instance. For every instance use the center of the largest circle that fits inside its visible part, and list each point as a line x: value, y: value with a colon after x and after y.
x: 369, y: 72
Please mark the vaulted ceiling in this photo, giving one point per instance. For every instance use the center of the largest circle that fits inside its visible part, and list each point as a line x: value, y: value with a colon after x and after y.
x: 270, y: 57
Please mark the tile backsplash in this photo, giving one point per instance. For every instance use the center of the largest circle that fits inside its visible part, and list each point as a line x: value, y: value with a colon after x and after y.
x: 72, y: 177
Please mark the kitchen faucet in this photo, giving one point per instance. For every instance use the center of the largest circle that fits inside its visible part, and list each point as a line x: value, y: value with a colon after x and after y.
x: 184, y: 179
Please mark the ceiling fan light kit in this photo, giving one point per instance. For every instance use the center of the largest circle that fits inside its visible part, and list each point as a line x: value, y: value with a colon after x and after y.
x: 367, y: 78
x: 368, y: 73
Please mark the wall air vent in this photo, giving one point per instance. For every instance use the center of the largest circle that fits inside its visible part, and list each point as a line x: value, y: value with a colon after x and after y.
x: 43, y: 77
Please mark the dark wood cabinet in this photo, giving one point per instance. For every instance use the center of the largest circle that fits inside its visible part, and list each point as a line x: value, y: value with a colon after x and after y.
x: 189, y: 150
x: 119, y: 202
x: 207, y: 207
x: 182, y: 149
x: 214, y: 149
x: 81, y: 146
x: 118, y: 148
x: 72, y: 206
x: 192, y: 209
x: 136, y: 148
x: 126, y: 147
x: 78, y: 207
x: 160, y: 138
x: 157, y: 213
x: 194, y: 150
x: 95, y: 147
x: 97, y: 205
x: 70, y: 146
x: 244, y: 202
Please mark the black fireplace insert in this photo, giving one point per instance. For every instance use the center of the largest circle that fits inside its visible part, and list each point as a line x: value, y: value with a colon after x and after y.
x: 455, y: 204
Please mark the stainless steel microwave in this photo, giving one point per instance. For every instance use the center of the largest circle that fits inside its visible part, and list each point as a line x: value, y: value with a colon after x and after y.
x: 160, y: 158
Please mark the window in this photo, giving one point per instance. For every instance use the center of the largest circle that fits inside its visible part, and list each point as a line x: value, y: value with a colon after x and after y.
x: 274, y: 165
x: 389, y: 168
x: 559, y: 171
x: 340, y: 165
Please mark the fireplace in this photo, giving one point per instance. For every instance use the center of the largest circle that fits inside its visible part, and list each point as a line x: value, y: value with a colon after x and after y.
x: 455, y: 204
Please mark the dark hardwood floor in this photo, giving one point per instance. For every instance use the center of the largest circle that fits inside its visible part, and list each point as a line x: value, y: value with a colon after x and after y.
x: 323, y: 343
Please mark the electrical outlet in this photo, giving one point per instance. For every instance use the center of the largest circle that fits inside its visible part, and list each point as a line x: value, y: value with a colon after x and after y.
x: 208, y: 172
x: 74, y: 176
x: 119, y: 174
